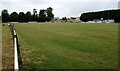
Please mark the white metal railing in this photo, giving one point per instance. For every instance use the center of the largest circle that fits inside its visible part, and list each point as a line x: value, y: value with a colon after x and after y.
x: 16, y: 48
x: 16, y: 63
x: 17, y: 57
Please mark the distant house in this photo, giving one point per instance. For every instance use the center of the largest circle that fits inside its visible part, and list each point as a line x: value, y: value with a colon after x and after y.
x: 110, y: 21
x: 56, y: 18
x: 91, y: 22
x: 74, y: 19
x: 98, y: 21
x: 77, y: 18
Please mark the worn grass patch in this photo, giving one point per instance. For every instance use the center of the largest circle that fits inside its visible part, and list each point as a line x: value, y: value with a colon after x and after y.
x: 68, y: 46
x: 7, y: 49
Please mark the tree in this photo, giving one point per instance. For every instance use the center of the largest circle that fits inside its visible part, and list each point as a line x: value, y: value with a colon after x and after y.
x: 5, y: 16
x: 28, y: 16
x: 42, y: 16
x: 107, y: 14
x: 34, y: 16
x: 64, y: 18
x: 42, y: 13
x: 34, y: 12
x: 21, y: 17
x: 13, y: 17
x: 50, y: 15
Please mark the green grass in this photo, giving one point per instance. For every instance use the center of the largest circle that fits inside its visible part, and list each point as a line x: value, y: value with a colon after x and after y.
x: 68, y: 46
x: 7, y: 49
x: 0, y: 46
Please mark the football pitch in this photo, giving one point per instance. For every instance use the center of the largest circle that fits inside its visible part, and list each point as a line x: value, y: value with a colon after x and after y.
x: 68, y: 46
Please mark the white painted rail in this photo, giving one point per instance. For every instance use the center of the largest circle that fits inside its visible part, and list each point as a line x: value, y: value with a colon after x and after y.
x: 17, y: 57
x: 16, y: 62
x: 14, y: 32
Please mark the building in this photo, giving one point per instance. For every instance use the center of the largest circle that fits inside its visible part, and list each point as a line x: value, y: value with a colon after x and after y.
x: 56, y: 18
x: 109, y: 21
x: 102, y: 21
x: 77, y: 18
x: 74, y: 19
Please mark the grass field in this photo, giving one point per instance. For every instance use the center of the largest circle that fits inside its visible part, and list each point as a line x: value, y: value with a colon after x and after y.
x: 7, y: 49
x: 0, y: 47
x: 68, y: 46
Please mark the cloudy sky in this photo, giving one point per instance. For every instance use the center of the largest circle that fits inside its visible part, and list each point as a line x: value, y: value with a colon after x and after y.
x: 68, y: 8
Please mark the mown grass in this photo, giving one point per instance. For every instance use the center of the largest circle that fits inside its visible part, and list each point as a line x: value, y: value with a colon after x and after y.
x: 68, y: 46
x: 0, y: 46
x: 7, y: 49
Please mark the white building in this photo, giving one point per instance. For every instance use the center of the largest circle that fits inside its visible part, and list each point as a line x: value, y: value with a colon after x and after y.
x: 101, y: 21
x: 98, y: 21
x: 110, y: 21
x: 91, y: 22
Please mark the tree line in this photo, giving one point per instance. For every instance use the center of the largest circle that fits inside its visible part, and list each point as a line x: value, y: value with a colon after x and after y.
x: 43, y: 16
x: 107, y: 14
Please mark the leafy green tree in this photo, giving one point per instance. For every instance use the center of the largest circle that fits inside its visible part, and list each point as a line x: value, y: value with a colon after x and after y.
x: 13, y: 17
x: 42, y: 16
x: 5, y: 16
x: 34, y: 12
x: 49, y: 13
x: 64, y: 18
x: 21, y: 17
x: 34, y: 16
x: 28, y: 16
x: 107, y: 14
x: 42, y: 13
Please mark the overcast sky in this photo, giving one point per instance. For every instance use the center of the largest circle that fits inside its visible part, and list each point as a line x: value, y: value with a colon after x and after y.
x: 68, y: 8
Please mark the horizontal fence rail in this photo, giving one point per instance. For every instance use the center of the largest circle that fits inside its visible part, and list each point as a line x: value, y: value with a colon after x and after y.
x: 16, y: 62
x: 17, y: 56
